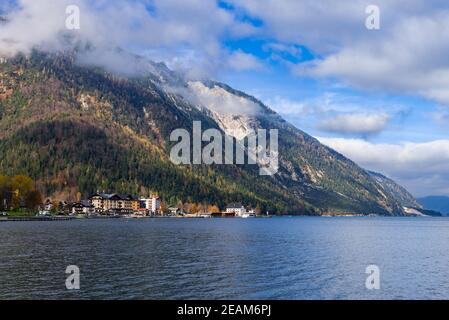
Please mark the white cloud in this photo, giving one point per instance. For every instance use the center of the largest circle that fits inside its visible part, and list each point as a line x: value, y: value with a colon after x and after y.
x: 328, y: 25
x: 221, y: 101
x: 423, y: 168
x: 323, y: 105
x: 283, y: 48
x: 241, y: 61
x: 320, y: 24
x: 357, y: 123
x: 171, y: 28
x: 408, y: 55
x: 344, y: 114
x: 411, y: 60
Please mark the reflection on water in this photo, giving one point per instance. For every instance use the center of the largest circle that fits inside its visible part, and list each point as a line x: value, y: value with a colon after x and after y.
x: 279, y: 258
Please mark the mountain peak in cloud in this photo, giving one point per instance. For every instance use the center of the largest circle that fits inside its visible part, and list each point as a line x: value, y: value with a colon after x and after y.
x: 170, y: 30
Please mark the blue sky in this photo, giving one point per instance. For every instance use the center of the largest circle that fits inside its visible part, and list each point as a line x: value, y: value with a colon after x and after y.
x: 381, y: 97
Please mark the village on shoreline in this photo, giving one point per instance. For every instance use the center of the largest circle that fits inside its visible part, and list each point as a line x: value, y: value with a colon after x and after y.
x: 21, y: 200
x: 116, y: 205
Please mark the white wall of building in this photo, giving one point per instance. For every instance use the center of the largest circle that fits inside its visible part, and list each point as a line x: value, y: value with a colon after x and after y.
x: 237, y: 211
x: 155, y: 204
x: 152, y: 204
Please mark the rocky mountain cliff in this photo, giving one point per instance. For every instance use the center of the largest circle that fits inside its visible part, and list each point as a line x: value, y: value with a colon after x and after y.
x: 399, y: 193
x: 77, y: 128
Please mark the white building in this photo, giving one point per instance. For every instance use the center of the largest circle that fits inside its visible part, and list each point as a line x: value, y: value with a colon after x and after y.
x: 48, y: 206
x: 152, y: 204
x: 155, y: 204
x: 83, y: 207
x: 236, y: 208
x: 174, y: 211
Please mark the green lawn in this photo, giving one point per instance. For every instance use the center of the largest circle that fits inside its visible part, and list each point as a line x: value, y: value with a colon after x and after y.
x: 20, y: 213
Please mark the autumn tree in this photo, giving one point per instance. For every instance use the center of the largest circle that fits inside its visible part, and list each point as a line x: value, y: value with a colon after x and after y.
x: 192, y: 208
x: 33, y: 199
x: 18, y: 191
x: 22, y: 184
x: 164, y: 208
x: 213, y: 209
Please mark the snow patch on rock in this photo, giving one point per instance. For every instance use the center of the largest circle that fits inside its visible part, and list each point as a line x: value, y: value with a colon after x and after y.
x: 413, y: 212
x: 235, y: 115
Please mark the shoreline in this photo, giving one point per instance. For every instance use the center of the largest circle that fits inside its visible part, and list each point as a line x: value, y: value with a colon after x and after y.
x: 22, y: 219
x: 71, y: 218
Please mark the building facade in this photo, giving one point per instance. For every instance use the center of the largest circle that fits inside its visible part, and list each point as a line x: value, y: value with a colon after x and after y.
x: 153, y: 204
x: 115, y: 203
x: 83, y: 207
x: 236, y: 208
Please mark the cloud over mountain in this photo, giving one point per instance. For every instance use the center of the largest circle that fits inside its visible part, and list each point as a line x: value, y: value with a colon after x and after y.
x: 167, y: 27
x: 356, y: 123
x: 408, y: 55
x: 423, y: 168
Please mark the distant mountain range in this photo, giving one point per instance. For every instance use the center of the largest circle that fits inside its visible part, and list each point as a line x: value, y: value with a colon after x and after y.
x: 78, y: 129
x: 437, y: 203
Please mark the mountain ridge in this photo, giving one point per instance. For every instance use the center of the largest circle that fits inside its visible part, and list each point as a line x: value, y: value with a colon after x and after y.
x: 437, y: 203
x: 399, y: 193
x: 139, y: 114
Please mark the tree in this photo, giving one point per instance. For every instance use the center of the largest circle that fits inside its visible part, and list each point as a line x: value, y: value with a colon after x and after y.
x: 203, y: 208
x: 180, y: 205
x: 33, y: 199
x: 213, y: 209
x: 22, y: 184
x: 192, y: 208
x: 164, y: 208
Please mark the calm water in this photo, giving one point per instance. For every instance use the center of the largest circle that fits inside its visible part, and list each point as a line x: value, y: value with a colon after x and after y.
x: 279, y: 258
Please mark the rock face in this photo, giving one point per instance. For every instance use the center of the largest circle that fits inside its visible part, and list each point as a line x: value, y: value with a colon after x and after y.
x: 398, y: 192
x: 83, y: 129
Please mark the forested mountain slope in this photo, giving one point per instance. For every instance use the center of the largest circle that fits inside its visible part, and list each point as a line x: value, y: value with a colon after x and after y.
x: 75, y: 129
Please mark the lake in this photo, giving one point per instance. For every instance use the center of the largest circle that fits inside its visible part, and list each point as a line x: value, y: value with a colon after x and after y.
x: 277, y: 258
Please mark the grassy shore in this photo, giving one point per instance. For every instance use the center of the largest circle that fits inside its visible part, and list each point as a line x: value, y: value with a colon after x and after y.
x: 21, y: 213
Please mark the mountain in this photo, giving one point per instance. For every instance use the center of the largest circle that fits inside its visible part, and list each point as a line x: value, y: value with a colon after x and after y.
x: 417, y: 212
x: 399, y: 193
x: 411, y: 205
x: 78, y: 128
x: 437, y: 203
x: 431, y: 213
